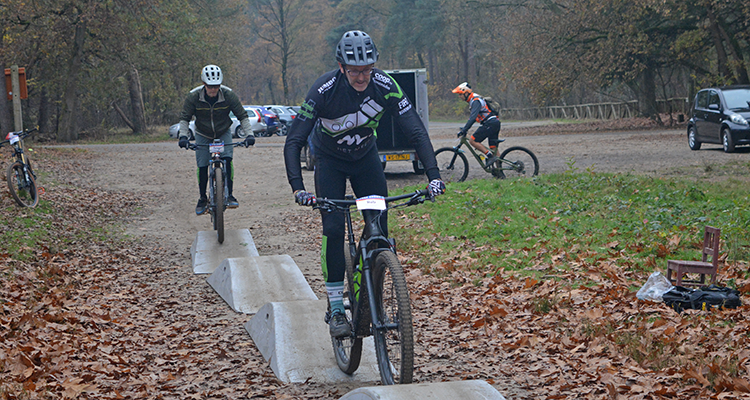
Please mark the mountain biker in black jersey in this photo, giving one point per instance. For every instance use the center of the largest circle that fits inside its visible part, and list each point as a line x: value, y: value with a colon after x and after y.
x: 211, y: 105
x: 490, y: 124
x: 341, y: 112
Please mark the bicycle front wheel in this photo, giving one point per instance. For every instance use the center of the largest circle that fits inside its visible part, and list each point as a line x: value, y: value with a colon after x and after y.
x: 517, y: 162
x: 22, y: 185
x: 348, y: 350
x: 394, y: 343
x: 219, y: 204
x: 453, y: 165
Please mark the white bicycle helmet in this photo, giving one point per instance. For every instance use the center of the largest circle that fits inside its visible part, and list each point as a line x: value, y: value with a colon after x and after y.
x: 356, y: 48
x: 211, y: 75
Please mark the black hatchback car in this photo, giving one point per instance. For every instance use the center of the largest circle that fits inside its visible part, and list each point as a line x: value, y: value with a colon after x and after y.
x: 720, y: 115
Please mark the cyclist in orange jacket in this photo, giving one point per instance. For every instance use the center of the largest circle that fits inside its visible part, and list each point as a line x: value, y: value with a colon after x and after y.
x: 490, y: 124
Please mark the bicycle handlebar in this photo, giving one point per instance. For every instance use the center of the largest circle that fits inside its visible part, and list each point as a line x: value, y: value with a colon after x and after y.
x: 22, y: 134
x: 195, y: 146
x: 417, y: 197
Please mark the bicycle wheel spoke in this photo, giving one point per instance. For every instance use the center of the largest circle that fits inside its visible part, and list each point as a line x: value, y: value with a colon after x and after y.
x: 452, y: 164
x: 518, y: 162
x: 394, y: 347
x: 21, y: 185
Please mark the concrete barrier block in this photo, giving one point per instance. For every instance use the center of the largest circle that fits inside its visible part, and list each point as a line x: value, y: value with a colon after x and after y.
x: 246, y: 284
x: 464, y: 390
x: 294, y: 340
x: 206, y: 252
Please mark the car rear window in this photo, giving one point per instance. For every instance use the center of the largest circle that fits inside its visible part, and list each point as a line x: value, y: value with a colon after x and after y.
x: 738, y: 99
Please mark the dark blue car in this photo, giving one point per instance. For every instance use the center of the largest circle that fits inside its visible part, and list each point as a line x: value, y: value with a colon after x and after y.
x: 271, y: 120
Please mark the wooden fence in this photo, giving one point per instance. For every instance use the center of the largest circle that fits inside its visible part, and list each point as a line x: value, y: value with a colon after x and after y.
x: 627, y: 109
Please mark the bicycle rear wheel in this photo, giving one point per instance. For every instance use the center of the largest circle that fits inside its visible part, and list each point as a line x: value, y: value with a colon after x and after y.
x: 453, y: 165
x: 519, y: 162
x: 348, y: 350
x: 22, y: 185
x: 394, y: 346
x: 219, y: 203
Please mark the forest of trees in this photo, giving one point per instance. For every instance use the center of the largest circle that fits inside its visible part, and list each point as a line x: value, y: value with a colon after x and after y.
x: 95, y: 65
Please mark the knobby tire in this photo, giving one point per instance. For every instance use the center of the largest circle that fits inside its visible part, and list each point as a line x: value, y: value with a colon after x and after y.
x: 219, y: 203
x: 394, y: 347
x: 22, y: 186
x: 525, y: 163
x: 348, y: 350
x: 453, y: 165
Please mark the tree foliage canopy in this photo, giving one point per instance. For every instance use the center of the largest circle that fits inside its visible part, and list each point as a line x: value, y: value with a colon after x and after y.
x: 93, y: 65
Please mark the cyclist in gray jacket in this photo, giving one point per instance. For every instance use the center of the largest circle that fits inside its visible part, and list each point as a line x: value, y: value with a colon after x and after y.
x: 211, y: 105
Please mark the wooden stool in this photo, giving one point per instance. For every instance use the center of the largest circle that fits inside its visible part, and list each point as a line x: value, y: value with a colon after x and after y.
x: 704, y: 267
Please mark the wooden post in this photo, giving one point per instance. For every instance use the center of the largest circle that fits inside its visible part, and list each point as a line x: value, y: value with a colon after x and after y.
x: 16, y: 87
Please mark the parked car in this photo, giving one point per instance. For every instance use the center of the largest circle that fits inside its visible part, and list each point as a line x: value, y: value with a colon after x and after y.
x: 271, y: 120
x: 720, y: 115
x: 286, y: 116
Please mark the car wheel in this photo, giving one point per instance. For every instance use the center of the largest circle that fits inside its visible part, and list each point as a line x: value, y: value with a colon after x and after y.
x: 239, y: 133
x: 726, y: 140
x: 692, y: 140
x: 284, y: 130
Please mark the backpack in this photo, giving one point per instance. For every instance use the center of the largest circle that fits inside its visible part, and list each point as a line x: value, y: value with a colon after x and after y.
x: 494, y: 107
x: 680, y: 298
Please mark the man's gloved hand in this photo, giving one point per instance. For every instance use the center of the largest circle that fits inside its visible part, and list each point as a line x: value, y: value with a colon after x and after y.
x: 461, y: 133
x: 249, y: 141
x: 183, y: 142
x: 304, y: 198
x: 436, y: 188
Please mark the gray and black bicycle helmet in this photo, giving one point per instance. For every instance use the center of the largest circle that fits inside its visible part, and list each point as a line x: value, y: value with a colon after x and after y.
x: 356, y: 48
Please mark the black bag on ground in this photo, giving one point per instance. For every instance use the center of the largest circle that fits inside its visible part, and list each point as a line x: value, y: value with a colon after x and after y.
x: 680, y: 298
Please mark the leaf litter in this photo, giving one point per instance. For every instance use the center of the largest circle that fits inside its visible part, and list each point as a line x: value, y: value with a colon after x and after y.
x: 97, y: 316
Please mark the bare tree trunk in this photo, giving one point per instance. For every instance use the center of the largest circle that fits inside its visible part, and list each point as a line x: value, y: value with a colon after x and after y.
x: 68, y: 128
x: 721, y: 54
x: 124, y: 117
x: 6, y: 121
x: 136, y: 102
x: 44, y: 114
x: 647, y: 94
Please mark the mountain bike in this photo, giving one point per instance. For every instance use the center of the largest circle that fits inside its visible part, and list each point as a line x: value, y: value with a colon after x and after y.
x: 376, y: 297
x: 20, y: 177
x: 514, y: 162
x: 218, y: 192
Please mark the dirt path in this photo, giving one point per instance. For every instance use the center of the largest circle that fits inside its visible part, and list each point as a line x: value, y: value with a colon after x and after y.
x: 165, y: 176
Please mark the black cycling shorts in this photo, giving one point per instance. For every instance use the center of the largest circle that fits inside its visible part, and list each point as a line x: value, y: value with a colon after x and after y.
x: 490, y: 129
x: 366, y: 178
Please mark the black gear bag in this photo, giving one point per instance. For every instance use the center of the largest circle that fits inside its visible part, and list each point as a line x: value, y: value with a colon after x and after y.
x: 680, y: 298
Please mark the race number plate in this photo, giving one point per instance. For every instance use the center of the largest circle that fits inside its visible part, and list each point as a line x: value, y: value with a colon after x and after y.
x: 396, y: 157
x: 216, y: 147
x: 13, y: 139
x: 373, y: 202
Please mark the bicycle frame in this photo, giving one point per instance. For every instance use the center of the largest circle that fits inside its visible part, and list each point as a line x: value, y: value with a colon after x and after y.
x: 216, y: 162
x: 363, y: 253
x: 465, y: 141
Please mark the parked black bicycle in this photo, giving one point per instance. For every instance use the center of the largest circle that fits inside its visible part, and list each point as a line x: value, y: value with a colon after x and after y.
x: 376, y: 296
x: 20, y: 176
x: 217, y: 183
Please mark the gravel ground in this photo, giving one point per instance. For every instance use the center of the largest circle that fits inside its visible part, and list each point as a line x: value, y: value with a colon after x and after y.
x: 165, y: 177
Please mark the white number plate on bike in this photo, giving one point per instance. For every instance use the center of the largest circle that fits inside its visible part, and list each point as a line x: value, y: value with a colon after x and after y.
x: 216, y: 147
x: 373, y: 202
x: 13, y: 139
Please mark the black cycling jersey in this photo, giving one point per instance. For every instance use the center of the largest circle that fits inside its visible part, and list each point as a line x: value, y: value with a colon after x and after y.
x: 344, y: 122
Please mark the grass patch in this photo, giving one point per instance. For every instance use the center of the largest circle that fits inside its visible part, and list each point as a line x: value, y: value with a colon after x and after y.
x: 556, y: 222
